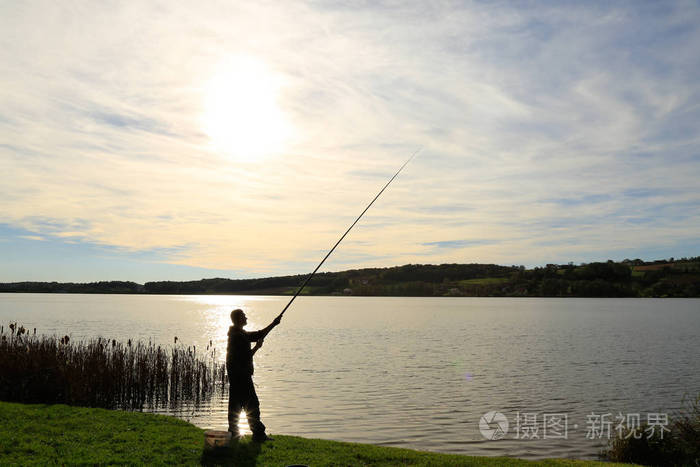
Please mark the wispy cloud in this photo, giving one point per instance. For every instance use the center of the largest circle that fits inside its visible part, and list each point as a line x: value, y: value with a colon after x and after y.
x: 37, y: 238
x: 550, y: 133
x: 453, y: 244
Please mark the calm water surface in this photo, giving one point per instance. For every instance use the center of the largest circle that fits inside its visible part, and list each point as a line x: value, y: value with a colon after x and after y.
x: 419, y: 372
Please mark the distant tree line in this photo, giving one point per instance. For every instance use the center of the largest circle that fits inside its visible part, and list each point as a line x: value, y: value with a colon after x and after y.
x: 628, y: 278
x: 111, y: 287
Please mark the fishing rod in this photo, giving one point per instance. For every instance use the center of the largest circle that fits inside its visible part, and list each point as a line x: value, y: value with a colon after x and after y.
x: 347, y: 231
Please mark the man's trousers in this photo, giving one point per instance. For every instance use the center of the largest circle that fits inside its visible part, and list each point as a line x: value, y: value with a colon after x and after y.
x: 242, y: 396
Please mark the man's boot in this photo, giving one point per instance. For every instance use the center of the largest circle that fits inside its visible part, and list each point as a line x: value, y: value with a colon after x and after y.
x: 261, y: 438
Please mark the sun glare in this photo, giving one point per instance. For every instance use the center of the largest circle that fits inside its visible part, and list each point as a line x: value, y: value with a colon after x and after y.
x: 242, y: 116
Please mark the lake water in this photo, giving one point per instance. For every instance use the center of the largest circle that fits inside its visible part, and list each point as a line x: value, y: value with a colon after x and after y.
x: 421, y: 372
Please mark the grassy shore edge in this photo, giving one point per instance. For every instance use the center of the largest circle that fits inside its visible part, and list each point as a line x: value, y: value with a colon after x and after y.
x: 60, y: 434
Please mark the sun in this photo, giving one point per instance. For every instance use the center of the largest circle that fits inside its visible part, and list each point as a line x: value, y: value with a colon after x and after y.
x: 241, y: 115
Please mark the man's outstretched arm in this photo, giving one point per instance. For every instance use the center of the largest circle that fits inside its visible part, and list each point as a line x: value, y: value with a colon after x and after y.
x: 257, y: 335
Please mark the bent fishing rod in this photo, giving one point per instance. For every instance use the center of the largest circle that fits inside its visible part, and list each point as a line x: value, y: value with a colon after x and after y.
x: 347, y: 231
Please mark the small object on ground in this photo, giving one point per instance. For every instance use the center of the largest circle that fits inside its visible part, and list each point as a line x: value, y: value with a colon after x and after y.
x: 216, y: 439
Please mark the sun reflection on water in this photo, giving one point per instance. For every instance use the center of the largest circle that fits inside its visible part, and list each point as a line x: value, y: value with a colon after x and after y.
x: 243, y: 424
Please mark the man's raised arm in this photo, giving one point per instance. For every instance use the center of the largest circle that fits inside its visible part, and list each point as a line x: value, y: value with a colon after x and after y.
x: 257, y: 335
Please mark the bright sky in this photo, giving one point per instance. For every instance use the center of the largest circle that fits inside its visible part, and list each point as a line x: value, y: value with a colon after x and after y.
x: 180, y: 140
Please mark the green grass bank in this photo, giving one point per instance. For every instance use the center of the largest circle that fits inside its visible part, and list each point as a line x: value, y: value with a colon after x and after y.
x: 58, y: 434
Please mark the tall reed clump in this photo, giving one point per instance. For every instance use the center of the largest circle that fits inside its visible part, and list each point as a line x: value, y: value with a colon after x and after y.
x: 102, y: 372
x: 680, y: 445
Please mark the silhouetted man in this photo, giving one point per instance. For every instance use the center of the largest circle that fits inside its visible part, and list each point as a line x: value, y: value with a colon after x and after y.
x: 239, y: 365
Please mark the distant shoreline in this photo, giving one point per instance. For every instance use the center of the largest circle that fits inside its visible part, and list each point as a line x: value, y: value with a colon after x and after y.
x: 321, y: 295
x: 679, y: 278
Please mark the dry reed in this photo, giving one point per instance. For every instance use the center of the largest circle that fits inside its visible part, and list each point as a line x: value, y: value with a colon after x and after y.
x: 105, y: 373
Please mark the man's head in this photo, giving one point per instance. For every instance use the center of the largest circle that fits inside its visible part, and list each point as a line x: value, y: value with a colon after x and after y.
x: 238, y: 318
